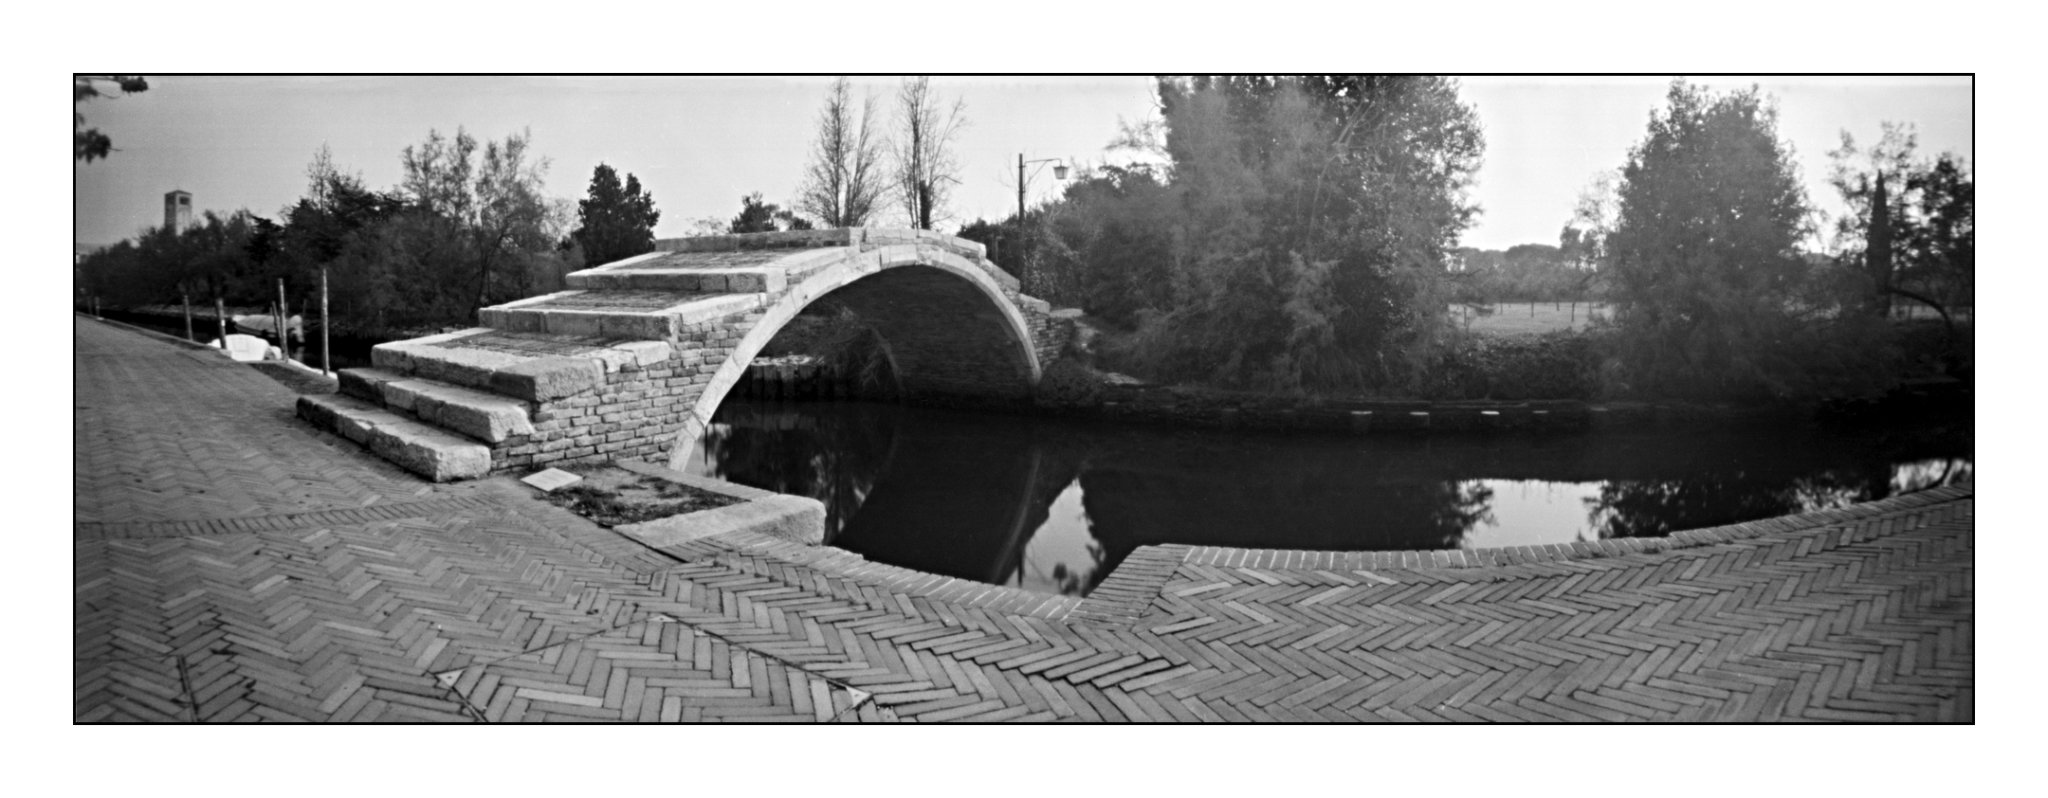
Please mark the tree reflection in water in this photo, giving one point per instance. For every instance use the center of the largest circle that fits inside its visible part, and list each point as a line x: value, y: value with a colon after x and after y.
x: 1654, y: 508
x: 1054, y: 506
x: 788, y: 448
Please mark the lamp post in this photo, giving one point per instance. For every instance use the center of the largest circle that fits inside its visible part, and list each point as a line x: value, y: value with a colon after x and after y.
x: 1058, y: 172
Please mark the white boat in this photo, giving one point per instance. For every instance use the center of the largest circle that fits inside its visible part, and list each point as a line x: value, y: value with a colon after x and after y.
x: 248, y: 348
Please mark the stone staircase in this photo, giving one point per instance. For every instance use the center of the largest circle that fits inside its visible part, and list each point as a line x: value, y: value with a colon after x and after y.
x: 464, y: 404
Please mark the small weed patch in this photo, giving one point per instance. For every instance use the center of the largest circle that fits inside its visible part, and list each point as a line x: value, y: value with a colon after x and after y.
x: 613, y: 496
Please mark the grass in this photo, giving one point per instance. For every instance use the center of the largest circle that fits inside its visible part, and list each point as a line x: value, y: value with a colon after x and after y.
x: 1526, y: 318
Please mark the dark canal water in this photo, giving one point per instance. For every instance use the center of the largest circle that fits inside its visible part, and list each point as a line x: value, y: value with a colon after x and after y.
x: 1053, y: 506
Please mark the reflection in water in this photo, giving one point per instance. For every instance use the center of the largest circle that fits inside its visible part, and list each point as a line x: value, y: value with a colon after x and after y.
x: 1053, y: 506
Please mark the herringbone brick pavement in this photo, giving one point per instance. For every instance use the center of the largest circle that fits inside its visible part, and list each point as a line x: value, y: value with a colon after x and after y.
x: 481, y: 604
x: 162, y: 432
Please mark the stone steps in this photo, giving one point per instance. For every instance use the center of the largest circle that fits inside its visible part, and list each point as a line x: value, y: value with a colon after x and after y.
x: 669, y: 271
x: 522, y: 366
x: 425, y: 450
x: 650, y: 314
x: 487, y: 417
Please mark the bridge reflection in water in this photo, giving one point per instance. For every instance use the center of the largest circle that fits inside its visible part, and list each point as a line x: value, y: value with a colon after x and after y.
x: 1052, y: 506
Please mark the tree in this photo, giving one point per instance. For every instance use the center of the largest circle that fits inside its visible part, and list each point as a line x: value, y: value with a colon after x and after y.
x: 844, y: 184
x: 1877, y: 256
x: 1704, y: 254
x: 1941, y: 245
x: 614, y: 222
x: 1911, y: 221
x: 89, y: 144
x: 1311, y: 224
x: 757, y: 216
x: 485, y: 225
x: 327, y: 230
x: 1865, y: 234
x: 926, y: 168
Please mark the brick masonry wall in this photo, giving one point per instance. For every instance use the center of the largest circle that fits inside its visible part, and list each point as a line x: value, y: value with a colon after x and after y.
x: 636, y: 414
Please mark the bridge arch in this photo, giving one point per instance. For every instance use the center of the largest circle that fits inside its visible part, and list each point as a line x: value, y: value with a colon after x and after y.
x: 633, y: 359
x: 948, y: 322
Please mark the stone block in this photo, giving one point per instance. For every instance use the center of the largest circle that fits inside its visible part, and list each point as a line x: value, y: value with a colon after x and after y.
x: 646, y: 354
x: 366, y: 384
x: 796, y: 519
x: 568, y: 322
x: 485, y: 417
x: 423, y: 450
x: 548, y: 378
x: 519, y: 320
x: 660, y: 328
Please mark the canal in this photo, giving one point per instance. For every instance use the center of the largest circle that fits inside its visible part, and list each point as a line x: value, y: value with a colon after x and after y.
x: 1053, y: 505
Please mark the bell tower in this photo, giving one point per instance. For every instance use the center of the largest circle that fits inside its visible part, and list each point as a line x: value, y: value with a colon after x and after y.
x: 177, y: 210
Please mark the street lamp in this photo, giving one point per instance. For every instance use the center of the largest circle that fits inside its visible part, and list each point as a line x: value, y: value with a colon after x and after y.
x: 1058, y: 172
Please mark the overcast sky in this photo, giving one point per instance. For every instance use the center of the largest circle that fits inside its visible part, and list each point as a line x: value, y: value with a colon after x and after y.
x: 698, y: 144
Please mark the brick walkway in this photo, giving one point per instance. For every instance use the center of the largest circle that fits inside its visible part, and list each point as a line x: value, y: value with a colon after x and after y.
x: 232, y: 564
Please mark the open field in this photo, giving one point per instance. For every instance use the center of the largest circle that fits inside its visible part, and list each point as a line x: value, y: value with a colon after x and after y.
x: 1525, y: 318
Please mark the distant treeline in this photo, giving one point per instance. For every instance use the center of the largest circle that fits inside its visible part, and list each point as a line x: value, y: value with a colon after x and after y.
x: 469, y: 226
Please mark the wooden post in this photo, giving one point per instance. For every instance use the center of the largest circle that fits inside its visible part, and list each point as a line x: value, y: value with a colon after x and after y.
x: 188, y: 313
x: 220, y: 318
x: 325, y: 368
x: 284, y: 337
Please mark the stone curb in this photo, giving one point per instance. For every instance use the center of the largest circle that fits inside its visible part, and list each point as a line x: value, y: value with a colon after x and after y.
x: 1127, y: 593
x: 796, y: 519
x: 1411, y: 560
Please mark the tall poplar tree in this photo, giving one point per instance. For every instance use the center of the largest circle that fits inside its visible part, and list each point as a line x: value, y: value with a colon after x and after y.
x: 845, y: 183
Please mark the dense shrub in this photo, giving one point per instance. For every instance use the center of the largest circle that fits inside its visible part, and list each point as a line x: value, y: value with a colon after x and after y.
x: 1560, y: 365
x: 1069, y: 383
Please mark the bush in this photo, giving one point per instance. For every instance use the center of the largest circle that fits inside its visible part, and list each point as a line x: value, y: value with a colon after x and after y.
x: 1559, y: 365
x: 1068, y: 383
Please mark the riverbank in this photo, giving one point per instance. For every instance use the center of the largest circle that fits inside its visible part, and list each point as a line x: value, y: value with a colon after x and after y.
x: 1121, y: 399
x: 1490, y: 383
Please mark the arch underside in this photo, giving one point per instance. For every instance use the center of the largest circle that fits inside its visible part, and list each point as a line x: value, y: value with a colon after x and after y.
x: 951, y: 334
x: 945, y: 336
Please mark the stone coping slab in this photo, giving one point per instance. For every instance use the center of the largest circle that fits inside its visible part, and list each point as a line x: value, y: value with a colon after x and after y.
x: 796, y: 519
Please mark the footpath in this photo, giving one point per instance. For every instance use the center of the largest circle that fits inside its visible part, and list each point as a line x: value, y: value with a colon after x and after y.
x: 232, y: 564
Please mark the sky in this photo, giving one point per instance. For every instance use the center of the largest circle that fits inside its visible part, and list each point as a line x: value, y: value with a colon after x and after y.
x: 699, y: 144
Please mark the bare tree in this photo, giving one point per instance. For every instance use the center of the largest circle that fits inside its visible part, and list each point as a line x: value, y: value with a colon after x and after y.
x: 925, y: 167
x: 844, y: 184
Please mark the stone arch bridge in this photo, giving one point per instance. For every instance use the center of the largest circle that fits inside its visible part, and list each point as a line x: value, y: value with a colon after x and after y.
x: 632, y: 361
